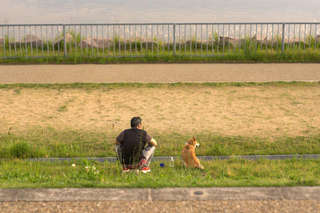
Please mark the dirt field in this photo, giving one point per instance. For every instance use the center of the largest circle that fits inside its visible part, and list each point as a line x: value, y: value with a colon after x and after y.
x: 247, y: 111
x: 159, y: 73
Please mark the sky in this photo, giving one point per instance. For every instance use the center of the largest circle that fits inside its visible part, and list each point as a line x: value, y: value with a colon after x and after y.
x: 150, y: 11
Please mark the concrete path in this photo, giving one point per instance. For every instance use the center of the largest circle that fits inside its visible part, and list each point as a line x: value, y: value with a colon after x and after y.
x: 164, y: 194
x: 159, y: 73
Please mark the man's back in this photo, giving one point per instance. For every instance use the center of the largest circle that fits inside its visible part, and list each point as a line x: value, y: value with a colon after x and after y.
x: 132, y: 142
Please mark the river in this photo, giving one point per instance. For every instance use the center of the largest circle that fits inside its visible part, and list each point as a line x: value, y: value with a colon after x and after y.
x: 124, y: 11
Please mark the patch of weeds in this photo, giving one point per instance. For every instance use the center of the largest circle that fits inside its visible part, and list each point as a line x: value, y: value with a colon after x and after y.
x: 220, y: 149
x: 4, y: 152
x: 62, y: 108
x: 24, y: 150
x: 233, y: 91
x: 296, y: 103
x: 17, y: 91
x: 70, y: 149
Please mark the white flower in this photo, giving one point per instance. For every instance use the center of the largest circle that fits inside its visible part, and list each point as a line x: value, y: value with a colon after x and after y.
x: 73, y: 165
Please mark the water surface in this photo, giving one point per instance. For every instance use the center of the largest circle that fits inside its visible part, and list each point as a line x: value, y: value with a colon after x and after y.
x: 119, y: 11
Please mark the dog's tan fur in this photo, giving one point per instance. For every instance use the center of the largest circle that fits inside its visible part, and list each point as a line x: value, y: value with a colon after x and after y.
x: 189, y: 155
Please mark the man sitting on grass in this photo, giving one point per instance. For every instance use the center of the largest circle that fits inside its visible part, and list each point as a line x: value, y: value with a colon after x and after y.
x: 135, y: 147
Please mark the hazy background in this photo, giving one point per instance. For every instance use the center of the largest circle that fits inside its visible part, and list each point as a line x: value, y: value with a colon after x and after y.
x: 116, y: 11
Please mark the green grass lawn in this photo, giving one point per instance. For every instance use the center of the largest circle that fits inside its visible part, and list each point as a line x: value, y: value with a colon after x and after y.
x: 109, y: 86
x: 198, y: 56
x: 53, y: 143
x: 234, y: 172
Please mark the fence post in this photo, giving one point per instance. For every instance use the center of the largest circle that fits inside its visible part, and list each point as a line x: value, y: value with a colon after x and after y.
x: 64, y: 41
x: 282, y: 44
x: 4, y: 42
x: 174, y: 39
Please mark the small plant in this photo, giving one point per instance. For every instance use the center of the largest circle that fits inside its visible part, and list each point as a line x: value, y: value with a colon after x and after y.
x: 220, y: 149
x: 62, y: 108
x: 91, y: 169
x: 24, y: 150
x: 88, y: 170
x: 17, y: 91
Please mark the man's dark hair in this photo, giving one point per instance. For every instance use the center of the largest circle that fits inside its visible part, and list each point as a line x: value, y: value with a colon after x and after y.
x: 135, y: 121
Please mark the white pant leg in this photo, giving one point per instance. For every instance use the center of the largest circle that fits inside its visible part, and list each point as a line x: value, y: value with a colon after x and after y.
x: 148, y: 153
x: 118, y: 151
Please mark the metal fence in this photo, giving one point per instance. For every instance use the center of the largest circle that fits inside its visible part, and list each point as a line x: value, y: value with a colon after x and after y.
x: 155, y: 39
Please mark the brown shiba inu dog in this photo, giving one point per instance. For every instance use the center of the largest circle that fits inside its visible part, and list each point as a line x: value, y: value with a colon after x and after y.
x: 189, y: 154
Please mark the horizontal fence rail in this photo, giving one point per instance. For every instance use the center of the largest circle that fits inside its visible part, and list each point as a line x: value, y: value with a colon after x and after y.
x: 156, y: 39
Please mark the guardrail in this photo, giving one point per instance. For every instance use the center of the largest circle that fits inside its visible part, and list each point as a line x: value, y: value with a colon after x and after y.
x: 155, y: 39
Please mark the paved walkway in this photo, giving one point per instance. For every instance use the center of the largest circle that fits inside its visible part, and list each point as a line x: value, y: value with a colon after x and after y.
x: 222, y: 199
x: 159, y: 73
x: 164, y: 194
x: 223, y: 206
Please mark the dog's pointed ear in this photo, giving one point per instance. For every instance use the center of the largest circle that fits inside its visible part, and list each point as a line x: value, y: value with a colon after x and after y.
x: 193, y: 138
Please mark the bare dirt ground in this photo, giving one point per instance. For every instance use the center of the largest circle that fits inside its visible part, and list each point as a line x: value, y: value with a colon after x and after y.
x: 247, y: 111
x: 159, y: 73
x: 268, y: 206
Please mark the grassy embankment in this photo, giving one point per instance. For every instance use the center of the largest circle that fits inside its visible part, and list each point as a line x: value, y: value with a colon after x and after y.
x: 121, y: 51
x: 50, y: 142
x: 233, y: 172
